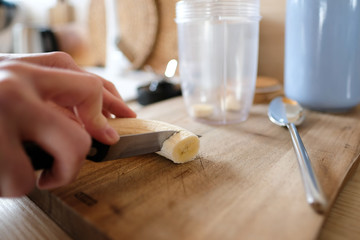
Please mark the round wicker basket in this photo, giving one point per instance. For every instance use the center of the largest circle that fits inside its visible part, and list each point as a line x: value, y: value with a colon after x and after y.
x: 147, y: 28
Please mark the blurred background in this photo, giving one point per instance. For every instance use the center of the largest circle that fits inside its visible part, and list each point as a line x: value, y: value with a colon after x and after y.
x: 120, y: 35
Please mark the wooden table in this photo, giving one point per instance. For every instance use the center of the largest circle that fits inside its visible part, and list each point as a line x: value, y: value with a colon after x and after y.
x: 22, y: 219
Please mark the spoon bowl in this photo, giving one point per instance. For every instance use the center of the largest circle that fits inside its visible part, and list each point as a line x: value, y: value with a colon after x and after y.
x: 283, y: 111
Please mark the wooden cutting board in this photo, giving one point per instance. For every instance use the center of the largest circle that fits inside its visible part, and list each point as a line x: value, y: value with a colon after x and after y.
x: 245, y: 183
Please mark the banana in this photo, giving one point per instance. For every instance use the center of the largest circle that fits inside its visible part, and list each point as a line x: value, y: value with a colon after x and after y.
x: 202, y: 110
x: 232, y: 104
x: 181, y: 147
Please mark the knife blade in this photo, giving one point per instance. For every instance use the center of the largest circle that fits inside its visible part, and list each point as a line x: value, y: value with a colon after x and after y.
x: 127, y: 146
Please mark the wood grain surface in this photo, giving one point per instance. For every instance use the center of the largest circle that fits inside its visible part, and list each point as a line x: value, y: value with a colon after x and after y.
x: 244, y: 184
x: 343, y: 221
x: 20, y: 218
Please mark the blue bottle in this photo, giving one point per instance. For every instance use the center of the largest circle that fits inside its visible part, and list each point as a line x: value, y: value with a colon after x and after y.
x: 322, y: 53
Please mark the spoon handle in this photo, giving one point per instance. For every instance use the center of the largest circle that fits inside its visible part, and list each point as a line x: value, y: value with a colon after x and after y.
x: 314, y: 194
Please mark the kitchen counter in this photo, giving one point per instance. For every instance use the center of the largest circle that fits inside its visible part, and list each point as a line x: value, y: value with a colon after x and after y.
x: 22, y: 219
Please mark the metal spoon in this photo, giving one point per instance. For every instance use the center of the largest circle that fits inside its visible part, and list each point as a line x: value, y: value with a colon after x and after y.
x: 287, y: 112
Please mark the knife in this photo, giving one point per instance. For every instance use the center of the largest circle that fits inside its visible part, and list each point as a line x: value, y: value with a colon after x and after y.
x: 127, y: 146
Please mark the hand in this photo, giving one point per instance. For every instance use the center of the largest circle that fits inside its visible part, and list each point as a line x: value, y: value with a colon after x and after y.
x: 33, y: 88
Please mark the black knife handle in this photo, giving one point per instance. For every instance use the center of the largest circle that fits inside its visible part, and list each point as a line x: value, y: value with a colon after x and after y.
x: 97, y: 151
x: 41, y: 159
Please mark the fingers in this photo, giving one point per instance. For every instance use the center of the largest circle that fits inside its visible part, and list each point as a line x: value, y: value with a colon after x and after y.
x: 15, y: 181
x: 16, y: 174
x: 51, y: 59
x: 109, y: 86
x: 30, y: 90
x: 54, y: 138
x: 71, y: 89
x: 32, y: 119
x: 112, y: 101
x: 116, y: 106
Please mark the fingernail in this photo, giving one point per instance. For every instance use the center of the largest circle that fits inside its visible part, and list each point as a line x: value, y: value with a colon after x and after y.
x: 112, y: 134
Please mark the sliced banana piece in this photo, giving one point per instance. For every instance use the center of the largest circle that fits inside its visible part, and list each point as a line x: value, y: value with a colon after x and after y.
x: 181, y: 147
x: 202, y: 110
x: 232, y: 104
